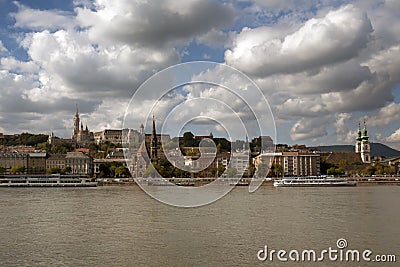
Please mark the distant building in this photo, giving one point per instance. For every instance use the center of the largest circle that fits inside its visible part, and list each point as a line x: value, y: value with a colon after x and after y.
x: 393, y: 162
x: 11, y: 160
x: 133, y: 137
x: 82, y: 137
x: 34, y: 163
x: 54, y: 140
x: 362, y: 144
x: 80, y: 163
x: 240, y: 161
x: 292, y: 163
x: 336, y: 158
x: 56, y: 161
x: 37, y: 163
x: 108, y: 135
x: 263, y: 143
x: 139, y: 161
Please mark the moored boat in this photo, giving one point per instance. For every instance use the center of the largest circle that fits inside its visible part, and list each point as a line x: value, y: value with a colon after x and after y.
x: 46, y: 181
x: 310, y: 181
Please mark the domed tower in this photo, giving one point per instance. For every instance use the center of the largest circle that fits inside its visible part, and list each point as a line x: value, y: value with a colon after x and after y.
x: 365, y: 146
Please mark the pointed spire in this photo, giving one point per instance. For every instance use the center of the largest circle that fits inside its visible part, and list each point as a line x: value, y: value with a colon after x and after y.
x: 359, y: 137
x: 154, y: 142
x: 365, y: 132
x: 87, y: 128
x: 153, y: 130
x: 76, y: 109
x: 81, y: 125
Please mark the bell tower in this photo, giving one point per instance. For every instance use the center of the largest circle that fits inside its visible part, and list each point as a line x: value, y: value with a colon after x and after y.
x: 365, y: 146
x: 76, y: 122
x: 359, y: 139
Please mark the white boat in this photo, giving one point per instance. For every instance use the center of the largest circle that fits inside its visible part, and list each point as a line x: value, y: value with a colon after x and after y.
x: 46, y: 181
x: 309, y: 181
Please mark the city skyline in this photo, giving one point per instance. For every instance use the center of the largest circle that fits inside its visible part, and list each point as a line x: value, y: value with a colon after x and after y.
x: 322, y: 66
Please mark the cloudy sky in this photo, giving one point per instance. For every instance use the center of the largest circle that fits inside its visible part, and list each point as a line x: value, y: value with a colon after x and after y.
x: 322, y: 65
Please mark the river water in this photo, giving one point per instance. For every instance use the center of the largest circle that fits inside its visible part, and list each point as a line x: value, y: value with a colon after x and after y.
x: 122, y: 226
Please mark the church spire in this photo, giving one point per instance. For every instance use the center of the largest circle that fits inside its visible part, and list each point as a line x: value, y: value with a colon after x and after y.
x: 153, y: 130
x: 359, y: 137
x: 365, y: 132
x: 76, y: 122
x: 153, y: 142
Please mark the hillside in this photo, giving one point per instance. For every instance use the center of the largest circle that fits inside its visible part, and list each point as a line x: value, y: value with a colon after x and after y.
x: 377, y: 149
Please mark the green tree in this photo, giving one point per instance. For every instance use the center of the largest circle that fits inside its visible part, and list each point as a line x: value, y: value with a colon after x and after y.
x: 331, y: 171
x: 18, y: 170
x: 112, y: 170
x: 369, y: 171
x: 121, y: 171
x: 277, y: 169
x: 389, y: 170
x: 2, y: 170
x: 66, y: 170
x: 180, y: 173
x: 43, y: 146
x: 61, y: 148
x: 334, y: 171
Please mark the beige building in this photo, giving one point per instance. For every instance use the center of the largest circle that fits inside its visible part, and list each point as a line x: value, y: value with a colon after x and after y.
x: 11, y: 160
x: 80, y: 163
x: 292, y: 163
x: 108, y: 135
x: 56, y: 161
x: 34, y: 163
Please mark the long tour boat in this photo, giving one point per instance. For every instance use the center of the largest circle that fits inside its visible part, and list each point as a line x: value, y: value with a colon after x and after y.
x: 309, y: 181
x: 46, y: 181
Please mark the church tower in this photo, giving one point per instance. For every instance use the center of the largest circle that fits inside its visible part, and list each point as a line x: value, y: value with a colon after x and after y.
x: 365, y: 146
x: 359, y: 139
x: 153, y: 142
x: 362, y: 144
x: 76, y: 123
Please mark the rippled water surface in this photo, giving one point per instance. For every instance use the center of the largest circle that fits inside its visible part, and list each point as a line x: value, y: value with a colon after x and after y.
x: 122, y: 226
